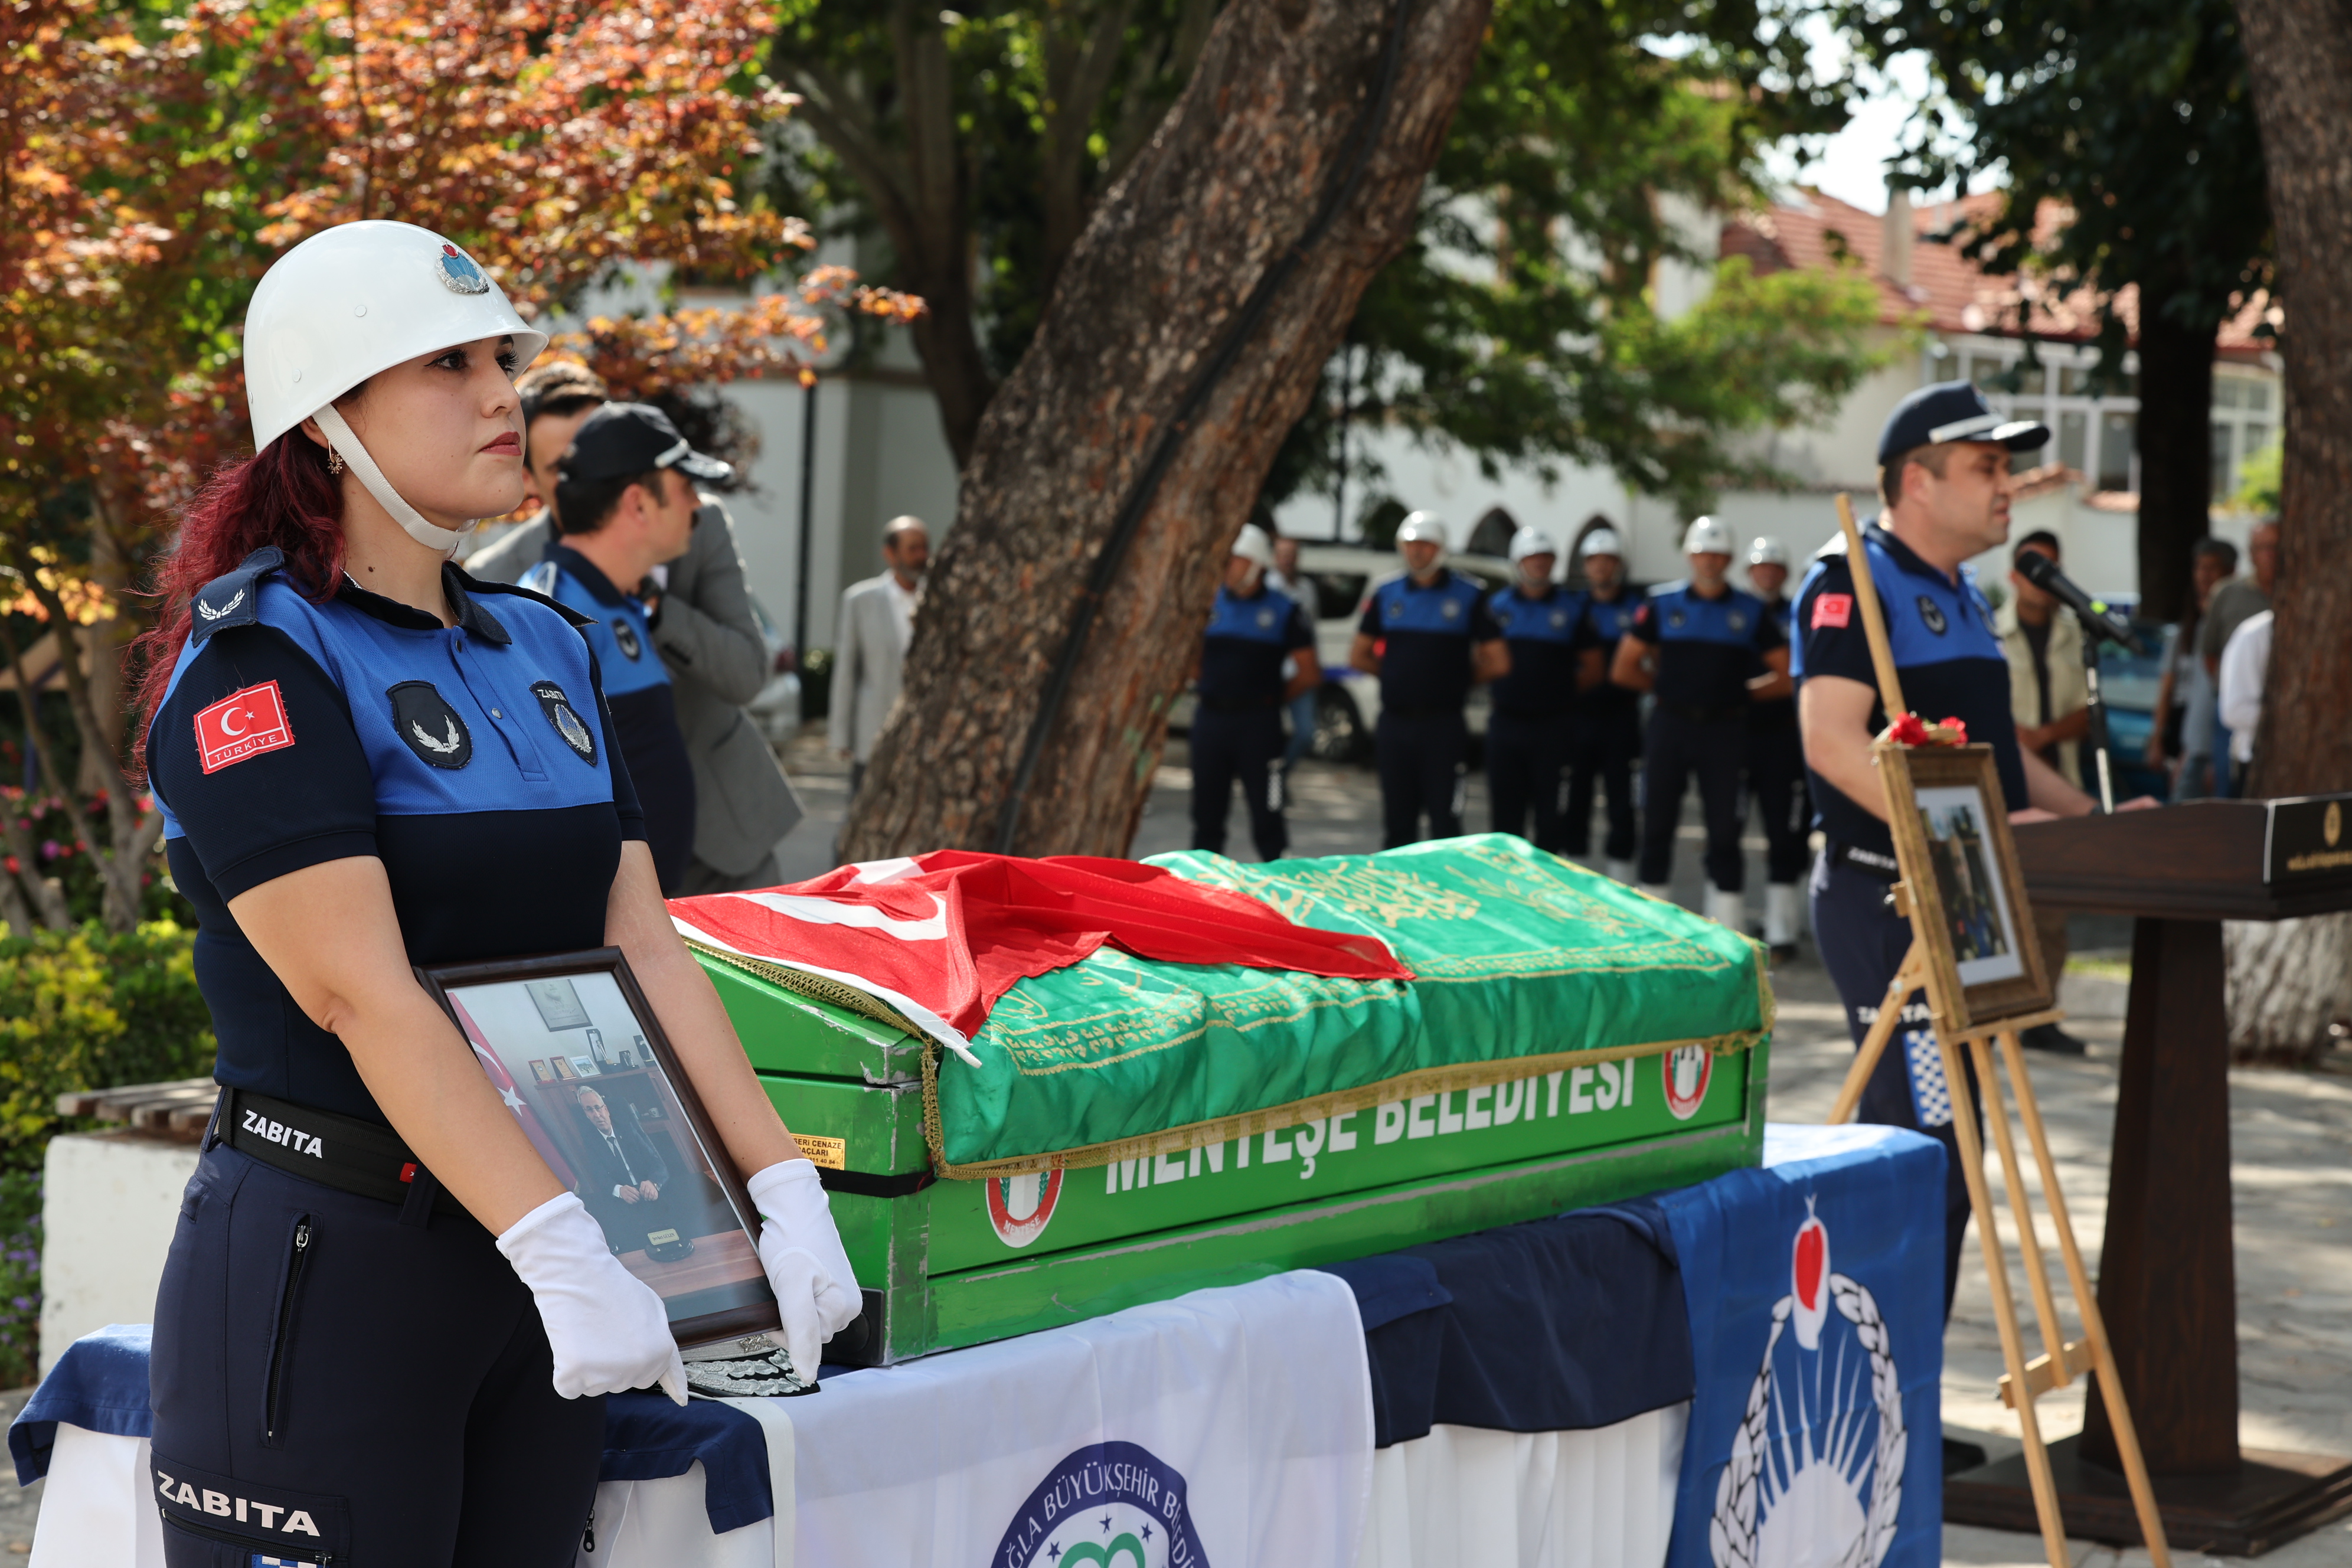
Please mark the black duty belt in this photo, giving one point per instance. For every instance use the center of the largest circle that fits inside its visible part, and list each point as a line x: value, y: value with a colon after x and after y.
x: 1869, y: 862
x: 333, y: 1149
x: 1690, y: 713
x: 1421, y: 710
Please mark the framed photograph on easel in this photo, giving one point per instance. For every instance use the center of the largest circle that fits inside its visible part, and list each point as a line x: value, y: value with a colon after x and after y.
x: 1969, y: 910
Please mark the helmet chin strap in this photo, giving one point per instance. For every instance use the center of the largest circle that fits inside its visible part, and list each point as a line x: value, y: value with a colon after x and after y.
x: 412, y: 522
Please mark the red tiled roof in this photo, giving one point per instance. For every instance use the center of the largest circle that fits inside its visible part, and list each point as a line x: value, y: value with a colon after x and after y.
x: 1952, y: 292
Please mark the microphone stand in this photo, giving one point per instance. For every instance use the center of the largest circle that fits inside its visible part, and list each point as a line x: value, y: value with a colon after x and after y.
x: 2098, y: 712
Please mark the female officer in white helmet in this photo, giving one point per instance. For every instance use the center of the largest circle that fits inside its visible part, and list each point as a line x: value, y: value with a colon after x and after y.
x: 384, y: 1327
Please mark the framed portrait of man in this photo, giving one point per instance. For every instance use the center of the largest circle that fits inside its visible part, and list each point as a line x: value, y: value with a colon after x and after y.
x: 633, y: 1142
x: 1969, y: 909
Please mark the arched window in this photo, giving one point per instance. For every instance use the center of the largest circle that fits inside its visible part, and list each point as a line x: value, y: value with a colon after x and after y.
x: 1492, y: 535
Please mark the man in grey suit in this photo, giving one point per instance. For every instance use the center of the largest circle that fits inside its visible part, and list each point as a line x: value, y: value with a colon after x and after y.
x: 708, y: 637
x: 876, y: 624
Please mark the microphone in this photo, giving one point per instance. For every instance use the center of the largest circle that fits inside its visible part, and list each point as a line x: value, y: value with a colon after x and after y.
x: 2098, y: 619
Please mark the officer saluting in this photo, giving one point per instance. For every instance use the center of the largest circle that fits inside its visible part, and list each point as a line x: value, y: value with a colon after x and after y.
x: 1237, y: 723
x: 1705, y: 637
x: 1944, y: 473
x: 1606, y: 734
x: 1776, y: 766
x: 1427, y: 634
x: 1553, y: 656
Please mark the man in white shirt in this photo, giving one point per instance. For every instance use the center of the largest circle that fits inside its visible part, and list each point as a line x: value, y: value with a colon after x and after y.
x: 2245, y: 662
x: 876, y: 624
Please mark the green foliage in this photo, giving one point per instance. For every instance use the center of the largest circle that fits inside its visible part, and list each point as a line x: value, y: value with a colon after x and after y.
x: 2258, y: 481
x: 20, y: 1278
x: 65, y: 837
x: 92, y: 1009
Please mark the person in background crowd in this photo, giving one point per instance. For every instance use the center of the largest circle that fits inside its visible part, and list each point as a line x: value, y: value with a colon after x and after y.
x: 1285, y: 575
x: 874, y: 628
x: 1696, y: 646
x: 2234, y: 603
x: 1427, y: 634
x: 1553, y: 656
x: 2245, y: 665
x: 1776, y: 766
x: 2050, y: 701
x: 1256, y: 654
x: 1605, y: 735
x: 623, y: 490
x: 699, y: 609
x: 2186, y: 687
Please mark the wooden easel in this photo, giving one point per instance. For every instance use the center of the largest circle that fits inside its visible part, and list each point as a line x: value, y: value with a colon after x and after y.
x: 2059, y: 1360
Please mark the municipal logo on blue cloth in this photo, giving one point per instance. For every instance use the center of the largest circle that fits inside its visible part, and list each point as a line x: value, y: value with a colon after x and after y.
x: 1109, y: 1505
x: 1816, y: 1470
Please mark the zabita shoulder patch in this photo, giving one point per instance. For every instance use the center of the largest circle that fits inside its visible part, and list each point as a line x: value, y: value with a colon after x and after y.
x: 243, y: 725
x: 566, y: 720
x: 429, y: 725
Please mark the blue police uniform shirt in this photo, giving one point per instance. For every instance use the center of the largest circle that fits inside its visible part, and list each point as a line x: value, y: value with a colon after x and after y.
x: 1706, y: 649
x: 1775, y: 712
x: 643, y: 703
x: 1608, y: 621
x: 1546, y: 635
x: 1242, y: 649
x: 1945, y: 648
x: 1426, y: 668
x: 476, y: 762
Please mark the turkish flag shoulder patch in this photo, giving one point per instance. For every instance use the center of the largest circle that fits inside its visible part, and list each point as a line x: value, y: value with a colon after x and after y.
x: 1833, y: 609
x: 243, y: 725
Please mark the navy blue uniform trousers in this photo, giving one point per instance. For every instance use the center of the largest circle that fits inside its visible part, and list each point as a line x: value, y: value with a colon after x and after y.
x: 1679, y: 748
x: 1227, y: 747
x: 1603, y: 743
x: 1776, y: 779
x: 1862, y: 942
x: 1525, y: 760
x: 1421, y: 761
x: 330, y: 1382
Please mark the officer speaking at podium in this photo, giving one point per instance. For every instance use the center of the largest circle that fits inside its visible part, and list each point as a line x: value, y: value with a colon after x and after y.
x: 1696, y: 645
x: 1944, y: 475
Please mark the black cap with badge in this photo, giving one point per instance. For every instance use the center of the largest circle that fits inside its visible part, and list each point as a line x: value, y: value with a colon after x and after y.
x: 621, y: 440
x: 1953, y: 411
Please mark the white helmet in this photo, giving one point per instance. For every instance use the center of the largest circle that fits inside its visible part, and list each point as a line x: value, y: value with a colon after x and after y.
x: 1254, y: 546
x: 1706, y: 536
x: 1422, y: 528
x: 1768, y: 551
x: 351, y: 301
x: 1600, y: 542
x: 1530, y: 542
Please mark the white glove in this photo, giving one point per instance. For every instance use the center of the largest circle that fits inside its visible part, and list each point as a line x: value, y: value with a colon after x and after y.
x: 816, y: 1294
x: 609, y: 1331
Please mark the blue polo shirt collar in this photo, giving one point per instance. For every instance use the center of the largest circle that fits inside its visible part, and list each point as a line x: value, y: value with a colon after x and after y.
x: 472, y: 617
x: 585, y: 573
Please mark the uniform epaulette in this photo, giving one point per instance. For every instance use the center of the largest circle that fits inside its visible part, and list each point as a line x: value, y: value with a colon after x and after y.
x: 233, y: 598
x: 572, y: 616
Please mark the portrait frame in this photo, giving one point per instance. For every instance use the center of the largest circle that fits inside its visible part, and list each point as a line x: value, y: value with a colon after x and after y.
x: 495, y: 1006
x: 1970, y: 913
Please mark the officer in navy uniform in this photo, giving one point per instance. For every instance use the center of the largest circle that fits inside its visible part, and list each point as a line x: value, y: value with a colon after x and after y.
x: 1237, y: 719
x: 1427, y: 634
x: 1696, y: 644
x: 626, y: 503
x: 1944, y: 474
x: 1553, y: 656
x: 1605, y: 735
x: 384, y: 1326
x: 1776, y: 767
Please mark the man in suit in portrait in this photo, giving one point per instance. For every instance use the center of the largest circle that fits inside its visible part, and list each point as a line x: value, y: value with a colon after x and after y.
x: 876, y: 623
x: 622, y: 1176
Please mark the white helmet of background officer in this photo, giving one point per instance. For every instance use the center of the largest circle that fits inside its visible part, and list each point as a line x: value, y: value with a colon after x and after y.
x: 350, y: 303
x: 1531, y: 544
x: 1707, y: 536
x: 1600, y: 542
x: 1767, y: 551
x: 1253, y: 546
x: 1423, y: 528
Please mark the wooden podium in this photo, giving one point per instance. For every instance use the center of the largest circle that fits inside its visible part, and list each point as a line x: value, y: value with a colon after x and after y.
x: 2167, y: 1273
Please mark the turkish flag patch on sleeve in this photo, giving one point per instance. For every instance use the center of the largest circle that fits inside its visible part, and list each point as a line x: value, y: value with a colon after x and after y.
x: 244, y: 725
x: 1833, y: 609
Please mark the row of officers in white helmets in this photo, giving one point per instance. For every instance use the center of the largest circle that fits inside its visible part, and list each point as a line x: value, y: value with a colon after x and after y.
x: 1569, y: 668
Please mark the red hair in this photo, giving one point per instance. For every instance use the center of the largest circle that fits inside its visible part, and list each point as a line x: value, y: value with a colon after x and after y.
x: 282, y: 495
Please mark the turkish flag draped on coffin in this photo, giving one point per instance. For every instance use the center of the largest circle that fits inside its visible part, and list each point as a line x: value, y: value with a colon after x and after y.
x: 941, y: 936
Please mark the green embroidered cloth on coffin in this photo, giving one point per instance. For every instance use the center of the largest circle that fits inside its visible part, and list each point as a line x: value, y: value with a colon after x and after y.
x: 1519, y: 954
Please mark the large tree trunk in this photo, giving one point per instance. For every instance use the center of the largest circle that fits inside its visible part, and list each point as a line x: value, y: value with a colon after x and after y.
x: 2289, y: 982
x: 2175, y: 400
x: 1232, y: 179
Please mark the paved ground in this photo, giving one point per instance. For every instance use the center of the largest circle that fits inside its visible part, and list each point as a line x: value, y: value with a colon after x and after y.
x: 2291, y: 1136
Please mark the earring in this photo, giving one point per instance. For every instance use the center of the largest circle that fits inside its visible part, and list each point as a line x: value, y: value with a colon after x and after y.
x: 334, y: 461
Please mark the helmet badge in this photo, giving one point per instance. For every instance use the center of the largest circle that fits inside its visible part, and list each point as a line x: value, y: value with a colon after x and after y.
x: 457, y: 272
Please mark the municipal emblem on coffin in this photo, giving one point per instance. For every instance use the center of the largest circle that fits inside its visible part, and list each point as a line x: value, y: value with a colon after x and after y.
x: 1686, y: 1070
x: 1107, y: 1505
x: 559, y: 710
x: 1816, y: 1469
x: 423, y: 718
x: 626, y: 636
x: 1931, y: 615
x: 1020, y: 1207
